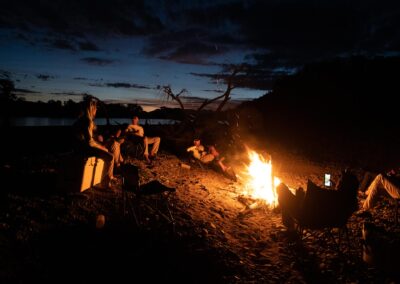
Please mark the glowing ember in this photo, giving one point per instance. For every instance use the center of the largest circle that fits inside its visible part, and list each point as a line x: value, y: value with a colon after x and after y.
x: 260, y: 181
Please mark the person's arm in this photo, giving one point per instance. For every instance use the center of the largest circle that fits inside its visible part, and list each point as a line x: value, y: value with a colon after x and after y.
x: 192, y: 148
x: 131, y: 128
x: 201, y: 150
x: 92, y: 142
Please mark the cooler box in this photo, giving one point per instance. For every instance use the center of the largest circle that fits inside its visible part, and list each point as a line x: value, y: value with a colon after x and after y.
x: 79, y: 174
x: 92, y: 172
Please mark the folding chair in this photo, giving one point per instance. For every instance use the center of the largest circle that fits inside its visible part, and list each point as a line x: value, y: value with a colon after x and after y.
x: 134, y: 146
x: 155, y: 197
x: 321, y: 209
x: 152, y: 197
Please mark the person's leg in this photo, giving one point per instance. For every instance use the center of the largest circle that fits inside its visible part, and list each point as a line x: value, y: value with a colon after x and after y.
x: 372, y: 192
x: 146, y: 149
x: 366, y: 181
x: 222, y: 166
x: 207, y: 158
x: 391, y: 188
x: 116, y: 151
x: 156, y: 144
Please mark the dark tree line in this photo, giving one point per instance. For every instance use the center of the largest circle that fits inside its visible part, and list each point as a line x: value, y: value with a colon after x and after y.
x: 68, y: 108
x: 12, y: 106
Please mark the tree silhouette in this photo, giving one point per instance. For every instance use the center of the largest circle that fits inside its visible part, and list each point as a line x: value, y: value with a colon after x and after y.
x: 170, y: 95
x: 226, y: 96
x: 6, y: 90
x: 7, y: 98
x: 230, y: 78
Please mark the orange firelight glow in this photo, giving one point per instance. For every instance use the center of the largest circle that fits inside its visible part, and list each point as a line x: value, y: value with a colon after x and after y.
x: 261, y: 183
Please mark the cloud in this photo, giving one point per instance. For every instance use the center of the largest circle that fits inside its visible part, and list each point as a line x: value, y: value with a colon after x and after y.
x: 44, y: 77
x: 80, y: 17
x: 26, y: 91
x: 68, y: 94
x: 80, y: 78
x: 286, y: 33
x: 126, y: 85
x: 296, y: 32
x: 53, y: 40
x: 293, y: 32
x: 276, y: 33
x: 63, y: 44
x: 194, y: 52
x: 97, y: 61
x: 214, y: 91
x: 88, y: 46
x: 253, y: 77
x: 120, y: 85
x: 5, y: 74
x: 95, y: 85
x: 190, y: 46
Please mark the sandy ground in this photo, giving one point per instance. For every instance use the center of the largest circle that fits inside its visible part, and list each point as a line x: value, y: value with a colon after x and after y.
x: 217, y: 235
x: 257, y: 236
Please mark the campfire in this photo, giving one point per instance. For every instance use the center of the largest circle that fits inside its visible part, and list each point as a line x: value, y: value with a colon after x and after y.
x: 259, y: 180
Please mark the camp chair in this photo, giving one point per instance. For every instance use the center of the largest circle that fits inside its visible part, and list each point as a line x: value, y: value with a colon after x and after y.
x: 153, y: 197
x: 134, y: 146
x: 327, y: 209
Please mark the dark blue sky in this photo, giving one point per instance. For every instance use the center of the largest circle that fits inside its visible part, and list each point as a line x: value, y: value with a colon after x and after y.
x: 122, y: 50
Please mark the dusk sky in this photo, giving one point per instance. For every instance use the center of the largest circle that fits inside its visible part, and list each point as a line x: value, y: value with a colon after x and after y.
x: 120, y: 51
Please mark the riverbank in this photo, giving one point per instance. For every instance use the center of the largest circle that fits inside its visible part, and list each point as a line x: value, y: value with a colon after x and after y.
x: 32, y: 140
x: 217, y: 237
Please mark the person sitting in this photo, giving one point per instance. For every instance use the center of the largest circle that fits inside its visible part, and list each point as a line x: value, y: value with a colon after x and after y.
x: 138, y: 130
x: 86, y: 144
x: 388, y: 183
x: 212, y: 155
x: 113, y: 144
x: 197, y: 149
x: 199, y: 153
x: 319, y: 207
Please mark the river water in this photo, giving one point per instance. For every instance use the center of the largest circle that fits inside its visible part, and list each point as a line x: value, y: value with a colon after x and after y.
x: 51, y: 121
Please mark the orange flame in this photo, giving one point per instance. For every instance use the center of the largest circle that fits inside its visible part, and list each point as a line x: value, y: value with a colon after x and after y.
x: 261, y: 183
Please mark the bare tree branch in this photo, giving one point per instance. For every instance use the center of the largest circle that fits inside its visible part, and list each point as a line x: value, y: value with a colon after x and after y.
x: 226, y: 95
x: 168, y: 92
x: 229, y: 87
